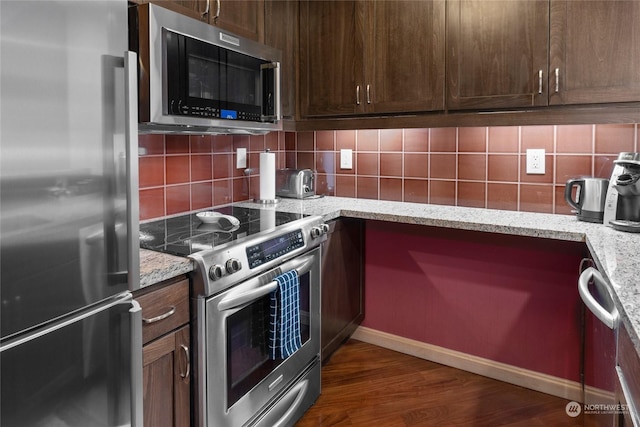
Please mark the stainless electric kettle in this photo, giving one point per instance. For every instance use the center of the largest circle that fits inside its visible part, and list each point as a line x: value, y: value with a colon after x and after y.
x: 590, y: 196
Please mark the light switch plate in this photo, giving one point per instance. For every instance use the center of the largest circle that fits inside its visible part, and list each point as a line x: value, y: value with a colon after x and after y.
x: 535, y: 161
x: 241, y: 158
x: 346, y: 158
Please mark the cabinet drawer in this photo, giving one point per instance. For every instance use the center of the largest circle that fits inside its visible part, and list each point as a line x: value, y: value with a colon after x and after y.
x: 164, y: 310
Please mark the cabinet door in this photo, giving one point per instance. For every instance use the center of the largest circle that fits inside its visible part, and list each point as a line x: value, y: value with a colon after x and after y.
x: 197, y: 9
x: 166, y: 378
x: 405, y: 56
x: 496, y: 51
x: 342, y: 284
x: 281, y: 32
x: 242, y: 17
x: 331, y: 55
x: 595, y: 48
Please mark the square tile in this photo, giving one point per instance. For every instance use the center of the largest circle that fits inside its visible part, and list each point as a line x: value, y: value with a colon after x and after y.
x: 472, y: 167
x: 367, y: 140
x: 537, y: 137
x: 256, y: 143
x: 325, y: 184
x: 240, y: 189
x: 201, y: 167
x: 177, y: 144
x: 536, y: 198
x: 561, y: 206
x: 201, y: 195
x: 305, y: 160
x: 503, y: 139
x: 472, y: 139
x: 152, y: 203
x: 569, y: 167
x: 366, y: 187
x: 325, y: 140
x: 345, y: 186
x: 614, y: 138
x: 502, y: 196
x: 471, y: 194
x: 574, y: 139
x: 502, y: 167
x: 326, y: 162
x: 391, y: 189
x: 222, y: 144
x: 442, y: 192
x: 416, y: 190
x: 178, y: 199
x: 151, y: 144
x: 151, y: 171
x: 177, y: 169
x: 548, y: 176
x: 391, y: 164
x: 391, y: 140
x: 416, y: 140
x: 200, y: 144
x: 222, y: 192
x: 222, y: 165
x: 272, y: 141
x: 443, y: 140
x: 345, y: 139
x: 367, y: 164
x: 416, y: 165
x: 305, y: 141
x: 442, y: 166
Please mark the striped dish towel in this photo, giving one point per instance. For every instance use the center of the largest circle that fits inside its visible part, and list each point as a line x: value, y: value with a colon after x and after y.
x: 284, y: 327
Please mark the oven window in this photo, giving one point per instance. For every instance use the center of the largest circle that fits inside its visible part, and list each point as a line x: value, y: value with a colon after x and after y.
x: 248, y: 343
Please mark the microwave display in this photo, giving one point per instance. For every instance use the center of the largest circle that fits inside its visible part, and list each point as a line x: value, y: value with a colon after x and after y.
x: 205, y: 80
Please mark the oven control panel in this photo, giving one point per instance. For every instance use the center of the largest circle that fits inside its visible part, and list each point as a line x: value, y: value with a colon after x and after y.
x: 274, y: 248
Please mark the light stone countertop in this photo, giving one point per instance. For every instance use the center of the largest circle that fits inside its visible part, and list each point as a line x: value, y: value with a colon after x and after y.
x: 617, y: 254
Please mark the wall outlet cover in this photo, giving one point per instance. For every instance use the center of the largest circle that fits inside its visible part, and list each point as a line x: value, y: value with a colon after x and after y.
x: 241, y: 158
x: 535, y: 161
x: 346, y: 158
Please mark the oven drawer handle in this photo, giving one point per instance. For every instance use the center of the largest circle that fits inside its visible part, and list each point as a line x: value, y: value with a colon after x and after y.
x: 300, y: 390
x: 301, y: 265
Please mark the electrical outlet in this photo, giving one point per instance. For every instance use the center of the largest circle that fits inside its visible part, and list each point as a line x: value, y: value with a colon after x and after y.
x: 535, y: 161
x: 241, y: 158
x: 346, y: 159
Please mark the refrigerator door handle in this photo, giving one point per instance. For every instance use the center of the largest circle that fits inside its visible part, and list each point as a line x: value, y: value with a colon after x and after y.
x: 136, y: 365
x: 131, y: 130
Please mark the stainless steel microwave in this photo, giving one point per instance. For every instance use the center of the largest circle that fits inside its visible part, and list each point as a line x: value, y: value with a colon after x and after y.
x: 196, y: 78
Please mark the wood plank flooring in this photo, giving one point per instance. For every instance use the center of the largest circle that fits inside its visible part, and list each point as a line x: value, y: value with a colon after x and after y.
x: 366, y: 385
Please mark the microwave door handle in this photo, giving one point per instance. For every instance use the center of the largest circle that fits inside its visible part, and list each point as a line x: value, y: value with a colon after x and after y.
x: 275, y: 97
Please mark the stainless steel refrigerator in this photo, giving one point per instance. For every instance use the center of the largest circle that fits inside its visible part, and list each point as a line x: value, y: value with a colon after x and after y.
x: 70, y: 348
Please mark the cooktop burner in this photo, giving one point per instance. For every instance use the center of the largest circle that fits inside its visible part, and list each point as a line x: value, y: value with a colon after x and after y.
x: 186, y: 234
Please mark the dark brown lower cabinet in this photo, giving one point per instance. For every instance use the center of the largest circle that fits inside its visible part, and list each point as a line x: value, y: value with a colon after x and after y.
x: 167, y: 381
x: 166, y: 367
x: 342, y: 283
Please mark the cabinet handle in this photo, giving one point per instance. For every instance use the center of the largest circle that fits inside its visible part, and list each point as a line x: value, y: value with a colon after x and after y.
x: 217, y: 10
x: 206, y: 10
x: 368, y: 94
x: 172, y: 310
x: 358, y: 95
x: 540, y: 81
x: 187, y: 368
x: 557, y: 80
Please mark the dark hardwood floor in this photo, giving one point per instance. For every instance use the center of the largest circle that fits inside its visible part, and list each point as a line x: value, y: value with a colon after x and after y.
x: 366, y: 385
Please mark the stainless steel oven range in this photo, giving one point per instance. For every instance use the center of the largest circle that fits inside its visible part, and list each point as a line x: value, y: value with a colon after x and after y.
x: 256, y: 309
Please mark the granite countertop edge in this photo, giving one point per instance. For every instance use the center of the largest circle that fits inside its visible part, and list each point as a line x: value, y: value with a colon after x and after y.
x: 616, y: 254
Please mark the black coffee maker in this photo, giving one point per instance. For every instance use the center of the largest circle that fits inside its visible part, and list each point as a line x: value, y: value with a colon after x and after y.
x: 622, y: 205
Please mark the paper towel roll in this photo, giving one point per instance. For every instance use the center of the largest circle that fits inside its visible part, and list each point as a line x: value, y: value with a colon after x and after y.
x: 267, y: 176
x: 267, y: 218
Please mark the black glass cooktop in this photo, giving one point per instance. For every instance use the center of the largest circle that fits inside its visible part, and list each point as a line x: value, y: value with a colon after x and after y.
x: 187, y: 234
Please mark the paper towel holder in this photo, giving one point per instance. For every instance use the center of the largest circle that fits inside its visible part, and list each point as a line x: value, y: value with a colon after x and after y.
x: 267, y: 179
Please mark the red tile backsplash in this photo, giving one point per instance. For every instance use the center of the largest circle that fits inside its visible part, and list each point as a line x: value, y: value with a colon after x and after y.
x: 480, y: 166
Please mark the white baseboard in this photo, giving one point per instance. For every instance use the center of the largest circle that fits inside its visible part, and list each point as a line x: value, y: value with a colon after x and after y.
x: 566, y: 389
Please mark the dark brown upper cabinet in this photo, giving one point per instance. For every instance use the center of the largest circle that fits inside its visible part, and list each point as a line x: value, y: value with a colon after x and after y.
x: 242, y: 17
x: 595, y: 48
x: 281, y: 32
x: 497, y: 53
x: 364, y: 57
x: 510, y: 54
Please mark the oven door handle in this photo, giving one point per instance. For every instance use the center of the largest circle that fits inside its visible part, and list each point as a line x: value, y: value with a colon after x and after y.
x: 236, y: 299
x: 301, y: 265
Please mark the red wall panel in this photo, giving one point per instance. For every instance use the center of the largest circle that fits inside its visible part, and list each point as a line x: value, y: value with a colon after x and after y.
x: 506, y: 298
